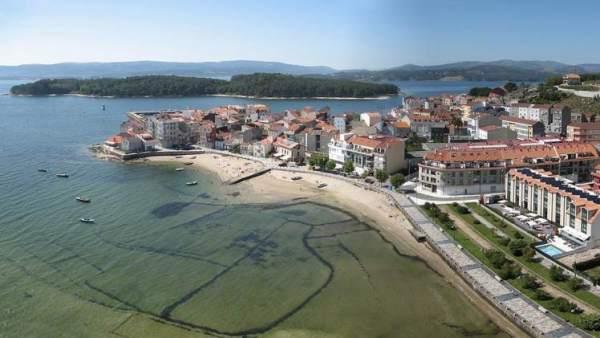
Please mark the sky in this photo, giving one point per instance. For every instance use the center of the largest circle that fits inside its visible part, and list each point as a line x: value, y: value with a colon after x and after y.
x: 344, y: 34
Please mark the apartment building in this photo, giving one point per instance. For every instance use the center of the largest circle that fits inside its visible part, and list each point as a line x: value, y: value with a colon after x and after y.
x: 584, y: 132
x: 473, y: 169
x: 369, y: 153
x: 574, y: 209
x: 525, y: 129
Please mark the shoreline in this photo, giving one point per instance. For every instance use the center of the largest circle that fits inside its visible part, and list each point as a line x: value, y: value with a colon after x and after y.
x: 374, y: 208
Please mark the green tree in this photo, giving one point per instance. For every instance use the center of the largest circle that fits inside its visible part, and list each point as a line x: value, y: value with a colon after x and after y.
x: 557, y: 274
x: 317, y: 159
x: 562, y: 304
x: 480, y: 91
x: 495, y: 257
x: 348, y: 167
x: 509, y: 270
x: 575, y: 283
x: 542, y: 295
x: 529, y: 253
x: 510, y: 87
x: 381, y: 175
x: 516, y: 246
x: 529, y: 282
x: 330, y: 165
x: 590, y: 322
x: 397, y: 180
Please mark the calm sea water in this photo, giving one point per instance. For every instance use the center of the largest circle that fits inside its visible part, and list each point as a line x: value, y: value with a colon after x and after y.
x: 168, y: 260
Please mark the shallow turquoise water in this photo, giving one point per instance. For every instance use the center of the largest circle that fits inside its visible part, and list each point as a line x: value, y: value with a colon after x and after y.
x: 168, y: 260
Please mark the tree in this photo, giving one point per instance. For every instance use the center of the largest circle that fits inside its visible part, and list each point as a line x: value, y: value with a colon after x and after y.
x: 348, y: 167
x: 557, y: 274
x: 495, y: 257
x: 563, y: 305
x: 397, y: 180
x: 456, y: 121
x: 529, y: 282
x: 381, y: 175
x: 542, y: 295
x: 480, y: 91
x: 529, y: 253
x: 575, y: 283
x: 516, y: 246
x: 590, y: 322
x: 330, y: 165
x: 510, y: 87
x: 509, y: 270
x: 319, y: 160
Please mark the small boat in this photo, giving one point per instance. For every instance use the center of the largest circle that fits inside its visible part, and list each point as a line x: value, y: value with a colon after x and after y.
x: 65, y: 175
x: 322, y: 185
x: 103, y: 107
x: 83, y: 199
x: 87, y: 220
x: 295, y: 178
x: 193, y: 157
x: 188, y: 163
x: 192, y: 183
x: 179, y: 169
x: 178, y: 156
x: 43, y: 170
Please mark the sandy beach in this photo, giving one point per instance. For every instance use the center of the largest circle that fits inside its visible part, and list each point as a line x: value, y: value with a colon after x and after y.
x: 372, y: 207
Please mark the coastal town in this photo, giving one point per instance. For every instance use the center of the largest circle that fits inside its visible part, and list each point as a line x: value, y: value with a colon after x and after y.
x: 522, y: 178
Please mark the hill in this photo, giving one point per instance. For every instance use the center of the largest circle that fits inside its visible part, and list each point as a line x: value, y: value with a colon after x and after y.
x: 259, y: 84
x: 223, y: 69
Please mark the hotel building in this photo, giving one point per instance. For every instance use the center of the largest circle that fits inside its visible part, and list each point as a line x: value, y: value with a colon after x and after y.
x: 474, y: 169
x: 574, y: 209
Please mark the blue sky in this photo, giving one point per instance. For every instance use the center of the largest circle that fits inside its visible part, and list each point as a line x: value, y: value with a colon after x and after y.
x: 369, y: 34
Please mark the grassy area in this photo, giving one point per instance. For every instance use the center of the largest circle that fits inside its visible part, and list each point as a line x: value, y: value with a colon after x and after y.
x: 542, y: 272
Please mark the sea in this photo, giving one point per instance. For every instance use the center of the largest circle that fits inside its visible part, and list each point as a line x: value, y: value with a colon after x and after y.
x: 168, y: 260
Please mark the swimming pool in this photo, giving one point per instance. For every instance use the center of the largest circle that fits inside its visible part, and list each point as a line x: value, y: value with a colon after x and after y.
x: 550, y: 250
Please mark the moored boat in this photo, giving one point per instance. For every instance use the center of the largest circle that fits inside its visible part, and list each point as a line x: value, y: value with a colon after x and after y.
x: 65, y: 175
x: 179, y: 169
x: 83, y: 199
x: 322, y: 185
x: 192, y: 183
x: 87, y: 220
x: 188, y: 163
x: 42, y: 170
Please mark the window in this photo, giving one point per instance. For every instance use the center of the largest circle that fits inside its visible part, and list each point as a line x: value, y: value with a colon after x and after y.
x: 584, y: 219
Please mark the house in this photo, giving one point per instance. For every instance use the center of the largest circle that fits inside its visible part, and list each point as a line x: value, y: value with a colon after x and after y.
x: 584, y: 132
x: 369, y: 153
x: 427, y: 126
x: 571, y: 79
x: 263, y: 147
x: 475, y: 121
x: 316, y: 140
x: 480, y: 168
x: 372, y: 119
x: 398, y: 128
x: 287, y: 150
x: 525, y: 128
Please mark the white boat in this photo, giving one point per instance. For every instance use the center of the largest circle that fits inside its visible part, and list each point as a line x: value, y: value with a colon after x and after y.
x: 87, y: 220
x: 83, y: 199
x: 179, y: 169
x: 65, y: 175
x: 192, y: 183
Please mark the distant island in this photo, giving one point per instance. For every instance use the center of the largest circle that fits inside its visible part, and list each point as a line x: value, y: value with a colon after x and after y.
x: 257, y: 85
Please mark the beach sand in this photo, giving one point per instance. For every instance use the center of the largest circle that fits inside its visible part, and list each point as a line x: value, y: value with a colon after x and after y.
x: 372, y: 207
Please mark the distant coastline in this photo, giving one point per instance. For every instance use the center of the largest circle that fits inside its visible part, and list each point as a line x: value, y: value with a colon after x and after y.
x: 383, y: 97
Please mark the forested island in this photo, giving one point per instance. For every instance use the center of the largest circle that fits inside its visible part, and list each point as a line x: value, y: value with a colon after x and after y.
x: 258, y: 84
